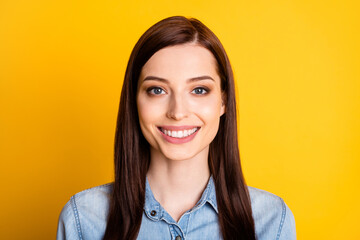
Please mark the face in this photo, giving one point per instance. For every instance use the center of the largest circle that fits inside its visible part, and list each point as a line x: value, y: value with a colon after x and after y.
x: 179, y: 101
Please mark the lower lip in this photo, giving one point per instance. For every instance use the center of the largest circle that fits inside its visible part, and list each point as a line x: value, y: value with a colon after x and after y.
x: 178, y: 140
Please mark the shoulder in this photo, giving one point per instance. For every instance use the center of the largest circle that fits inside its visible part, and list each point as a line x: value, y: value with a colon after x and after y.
x: 85, y: 214
x: 96, y: 196
x: 273, y: 218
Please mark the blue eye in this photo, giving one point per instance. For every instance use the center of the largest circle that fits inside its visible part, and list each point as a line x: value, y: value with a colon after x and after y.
x: 200, y: 91
x: 156, y: 91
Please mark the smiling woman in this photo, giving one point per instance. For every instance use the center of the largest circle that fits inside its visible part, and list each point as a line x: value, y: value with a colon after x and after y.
x: 179, y: 102
x: 177, y: 165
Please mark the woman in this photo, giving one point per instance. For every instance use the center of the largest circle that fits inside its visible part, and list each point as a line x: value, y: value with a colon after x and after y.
x: 177, y: 166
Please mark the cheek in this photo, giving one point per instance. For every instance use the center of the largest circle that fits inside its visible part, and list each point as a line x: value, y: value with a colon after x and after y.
x: 149, y: 112
x: 209, y: 111
x: 144, y: 112
x: 208, y: 108
x: 145, y: 119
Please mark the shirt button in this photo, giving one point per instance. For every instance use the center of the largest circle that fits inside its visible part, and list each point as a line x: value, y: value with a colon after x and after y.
x: 153, y: 213
x: 178, y: 238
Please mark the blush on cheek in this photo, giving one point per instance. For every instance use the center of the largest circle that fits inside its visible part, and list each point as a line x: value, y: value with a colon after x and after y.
x: 150, y: 112
x: 210, y: 109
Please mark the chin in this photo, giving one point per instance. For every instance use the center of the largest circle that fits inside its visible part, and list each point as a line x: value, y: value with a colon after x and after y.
x: 178, y: 155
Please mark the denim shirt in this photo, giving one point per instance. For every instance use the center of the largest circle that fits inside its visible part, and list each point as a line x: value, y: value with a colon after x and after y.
x: 85, y: 216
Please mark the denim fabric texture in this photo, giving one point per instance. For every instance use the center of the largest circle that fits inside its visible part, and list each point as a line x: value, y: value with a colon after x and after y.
x: 85, y: 215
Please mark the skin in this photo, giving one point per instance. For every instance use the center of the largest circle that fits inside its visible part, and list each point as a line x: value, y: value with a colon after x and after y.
x: 179, y: 86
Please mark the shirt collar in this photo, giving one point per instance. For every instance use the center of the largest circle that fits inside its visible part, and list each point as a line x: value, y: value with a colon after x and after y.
x: 155, y: 211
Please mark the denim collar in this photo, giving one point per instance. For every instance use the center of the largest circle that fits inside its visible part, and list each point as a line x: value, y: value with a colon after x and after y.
x: 156, y: 212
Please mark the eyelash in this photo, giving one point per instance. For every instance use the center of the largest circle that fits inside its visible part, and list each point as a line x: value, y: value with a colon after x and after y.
x: 150, y: 90
x: 202, y: 88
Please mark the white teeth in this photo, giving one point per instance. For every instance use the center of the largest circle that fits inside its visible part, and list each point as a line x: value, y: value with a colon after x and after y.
x: 179, y: 134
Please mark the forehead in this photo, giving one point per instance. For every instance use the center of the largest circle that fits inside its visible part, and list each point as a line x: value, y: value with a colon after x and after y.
x: 181, y: 61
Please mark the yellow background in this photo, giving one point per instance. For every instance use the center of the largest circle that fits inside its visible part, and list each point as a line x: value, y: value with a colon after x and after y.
x: 296, y: 65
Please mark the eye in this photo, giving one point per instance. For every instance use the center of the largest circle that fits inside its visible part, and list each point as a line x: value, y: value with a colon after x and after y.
x: 200, y: 91
x: 156, y: 91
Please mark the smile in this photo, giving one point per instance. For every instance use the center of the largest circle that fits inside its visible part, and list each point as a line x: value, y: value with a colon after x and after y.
x: 178, y: 134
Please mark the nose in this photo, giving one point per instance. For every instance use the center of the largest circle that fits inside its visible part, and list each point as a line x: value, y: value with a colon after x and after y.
x: 177, y: 109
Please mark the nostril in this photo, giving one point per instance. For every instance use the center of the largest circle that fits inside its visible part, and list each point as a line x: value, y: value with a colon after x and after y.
x: 176, y: 115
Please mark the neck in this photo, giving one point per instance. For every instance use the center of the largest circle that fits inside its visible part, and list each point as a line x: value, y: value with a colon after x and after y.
x: 178, y: 184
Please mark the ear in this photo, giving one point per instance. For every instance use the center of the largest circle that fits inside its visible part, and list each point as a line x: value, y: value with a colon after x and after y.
x: 223, y: 104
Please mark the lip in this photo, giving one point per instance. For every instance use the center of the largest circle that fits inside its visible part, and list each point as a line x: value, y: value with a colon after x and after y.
x: 177, y: 128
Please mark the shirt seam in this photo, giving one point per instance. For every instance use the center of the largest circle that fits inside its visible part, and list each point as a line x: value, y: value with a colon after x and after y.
x: 181, y: 231
x: 187, y: 226
x: 211, y: 202
x: 283, y: 215
x: 77, y: 219
x: 91, y: 189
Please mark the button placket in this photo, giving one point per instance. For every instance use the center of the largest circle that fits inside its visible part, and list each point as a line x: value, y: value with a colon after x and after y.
x: 176, y: 232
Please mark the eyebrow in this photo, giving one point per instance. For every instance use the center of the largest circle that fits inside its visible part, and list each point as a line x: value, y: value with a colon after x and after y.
x: 194, y: 79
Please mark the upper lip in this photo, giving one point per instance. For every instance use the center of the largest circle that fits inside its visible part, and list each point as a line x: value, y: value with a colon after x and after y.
x: 178, y: 128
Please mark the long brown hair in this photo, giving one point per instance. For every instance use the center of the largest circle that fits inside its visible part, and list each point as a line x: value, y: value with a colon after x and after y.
x: 132, y: 151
